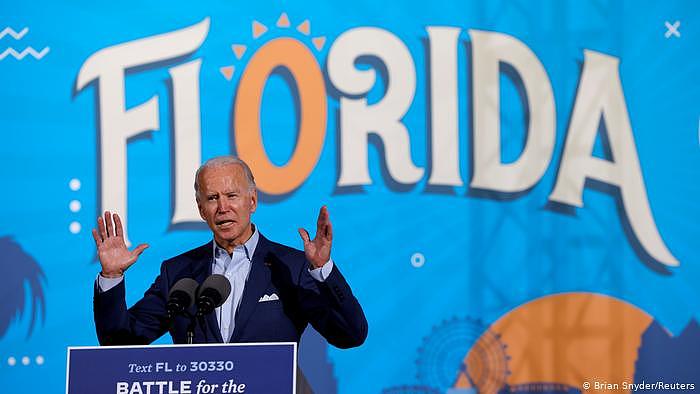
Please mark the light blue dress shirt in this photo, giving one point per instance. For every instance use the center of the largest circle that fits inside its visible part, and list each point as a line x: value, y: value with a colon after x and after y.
x: 236, y: 268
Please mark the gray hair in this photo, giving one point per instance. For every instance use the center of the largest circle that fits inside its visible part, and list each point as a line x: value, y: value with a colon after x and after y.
x: 222, y: 161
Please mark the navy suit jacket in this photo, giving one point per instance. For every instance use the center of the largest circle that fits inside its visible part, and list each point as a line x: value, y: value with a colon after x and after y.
x: 329, y: 306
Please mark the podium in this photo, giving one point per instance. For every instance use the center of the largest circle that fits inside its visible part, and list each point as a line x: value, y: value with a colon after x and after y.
x: 183, y: 369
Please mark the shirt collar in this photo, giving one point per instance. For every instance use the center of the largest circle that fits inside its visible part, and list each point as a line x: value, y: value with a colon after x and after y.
x: 248, y: 248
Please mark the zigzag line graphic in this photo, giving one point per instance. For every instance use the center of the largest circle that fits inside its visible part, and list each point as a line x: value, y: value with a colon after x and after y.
x: 21, y: 55
x: 14, y: 34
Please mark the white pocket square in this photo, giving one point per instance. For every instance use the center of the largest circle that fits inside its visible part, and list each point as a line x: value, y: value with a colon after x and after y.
x: 271, y: 297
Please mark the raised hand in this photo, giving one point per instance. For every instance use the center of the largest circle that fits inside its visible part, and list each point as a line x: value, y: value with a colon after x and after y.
x: 318, y: 250
x: 115, y: 257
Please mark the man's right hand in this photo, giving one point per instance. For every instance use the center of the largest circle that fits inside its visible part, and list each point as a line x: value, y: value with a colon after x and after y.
x: 115, y: 257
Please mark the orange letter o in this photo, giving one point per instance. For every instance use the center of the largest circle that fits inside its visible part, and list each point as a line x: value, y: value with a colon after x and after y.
x: 295, y: 57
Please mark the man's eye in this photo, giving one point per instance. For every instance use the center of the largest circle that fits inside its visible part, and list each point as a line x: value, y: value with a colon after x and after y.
x: 233, y: 195
x: 211, y: 198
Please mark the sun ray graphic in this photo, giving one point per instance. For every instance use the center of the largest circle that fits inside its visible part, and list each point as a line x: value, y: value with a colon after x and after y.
x: 319, y: 42
x: 283, y: 21
x: 227, y: 72
x: 258, y: 30
x: 304, y: 27
x: 238, y: 50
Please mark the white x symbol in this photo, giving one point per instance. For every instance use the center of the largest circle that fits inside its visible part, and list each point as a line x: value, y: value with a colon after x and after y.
x: 672, y: 29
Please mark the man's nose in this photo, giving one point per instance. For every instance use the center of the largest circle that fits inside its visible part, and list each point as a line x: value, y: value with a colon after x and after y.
x: 222, y: 205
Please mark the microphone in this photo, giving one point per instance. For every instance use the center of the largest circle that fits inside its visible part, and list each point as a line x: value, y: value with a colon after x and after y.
x: 212, y: 293
x: 181, y: 296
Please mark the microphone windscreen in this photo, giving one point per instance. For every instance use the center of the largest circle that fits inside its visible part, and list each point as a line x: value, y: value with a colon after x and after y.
x: 187, y: 286
x: 217, y: 283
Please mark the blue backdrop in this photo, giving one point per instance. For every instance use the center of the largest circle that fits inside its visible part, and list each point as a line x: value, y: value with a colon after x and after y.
x: 447, y: 140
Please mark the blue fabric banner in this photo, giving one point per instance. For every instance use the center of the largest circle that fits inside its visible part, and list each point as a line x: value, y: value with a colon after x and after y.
x: 513, y: 185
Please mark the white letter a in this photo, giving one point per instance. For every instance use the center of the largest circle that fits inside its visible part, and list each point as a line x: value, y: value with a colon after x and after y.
x: 600, y: 97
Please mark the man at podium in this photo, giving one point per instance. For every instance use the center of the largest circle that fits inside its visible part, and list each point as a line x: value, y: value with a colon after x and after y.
x: 276, y: 290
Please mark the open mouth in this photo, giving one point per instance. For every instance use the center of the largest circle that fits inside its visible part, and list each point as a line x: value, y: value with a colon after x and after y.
x: 225, y: 223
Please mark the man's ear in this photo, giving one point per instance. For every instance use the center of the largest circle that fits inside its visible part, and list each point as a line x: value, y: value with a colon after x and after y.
x: 253, y: 200
x: 200, y: 209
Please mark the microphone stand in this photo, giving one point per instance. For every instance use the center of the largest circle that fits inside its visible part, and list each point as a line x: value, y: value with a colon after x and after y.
x: 203, y: 325
x: 190, y: 329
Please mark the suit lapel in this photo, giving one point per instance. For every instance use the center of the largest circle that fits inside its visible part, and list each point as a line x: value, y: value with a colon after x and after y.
x: 200, y: 272
x: 258, y: 281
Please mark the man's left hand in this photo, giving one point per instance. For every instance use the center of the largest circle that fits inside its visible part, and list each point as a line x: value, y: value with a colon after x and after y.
x: 318, y: 250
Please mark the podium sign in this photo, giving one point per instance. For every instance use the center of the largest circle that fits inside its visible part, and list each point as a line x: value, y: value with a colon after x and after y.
x: 183, y: 369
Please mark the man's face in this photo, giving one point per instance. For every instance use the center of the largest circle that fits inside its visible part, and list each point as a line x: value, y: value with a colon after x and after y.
x: 226, y: 202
